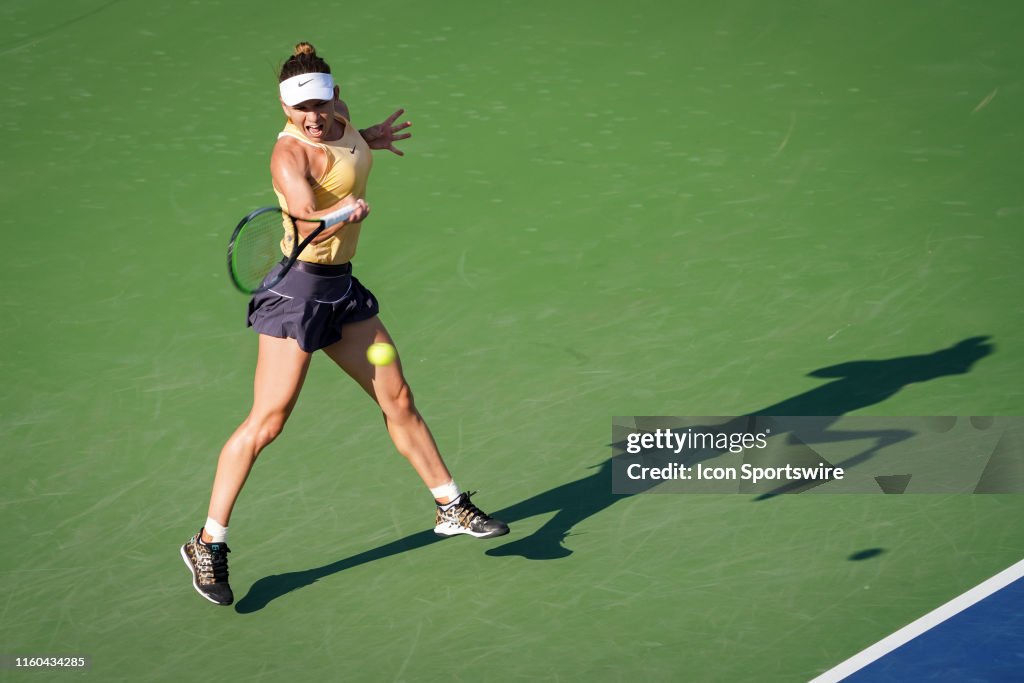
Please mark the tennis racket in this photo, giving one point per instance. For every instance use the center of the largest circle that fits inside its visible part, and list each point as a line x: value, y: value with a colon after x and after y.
x: 255, y: 246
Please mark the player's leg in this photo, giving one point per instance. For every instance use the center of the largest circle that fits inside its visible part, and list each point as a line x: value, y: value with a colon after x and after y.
x: 280, y: 371
x: 281, y: 368
x: 387, y: 385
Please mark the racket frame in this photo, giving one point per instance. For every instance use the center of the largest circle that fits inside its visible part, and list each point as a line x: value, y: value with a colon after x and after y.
x: 324, y: 222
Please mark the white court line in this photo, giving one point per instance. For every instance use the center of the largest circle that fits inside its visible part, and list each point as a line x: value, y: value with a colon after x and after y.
x: 925, y: 623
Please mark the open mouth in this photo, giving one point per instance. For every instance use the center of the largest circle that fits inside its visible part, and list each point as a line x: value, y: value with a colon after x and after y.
x: 315, y: 130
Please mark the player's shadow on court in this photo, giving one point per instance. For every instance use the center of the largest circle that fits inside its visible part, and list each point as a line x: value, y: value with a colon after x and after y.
x: 855, y: 385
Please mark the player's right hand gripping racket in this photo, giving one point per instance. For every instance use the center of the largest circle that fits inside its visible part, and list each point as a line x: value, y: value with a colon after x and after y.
x: 255, y: 246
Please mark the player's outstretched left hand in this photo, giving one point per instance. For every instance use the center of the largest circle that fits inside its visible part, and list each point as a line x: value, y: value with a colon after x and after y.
x: 384, y: 135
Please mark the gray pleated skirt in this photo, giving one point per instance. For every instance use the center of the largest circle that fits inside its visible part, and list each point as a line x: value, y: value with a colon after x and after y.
x: 311, y: 305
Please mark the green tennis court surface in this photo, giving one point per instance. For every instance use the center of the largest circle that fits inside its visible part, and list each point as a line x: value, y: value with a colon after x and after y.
x: 655, y: 208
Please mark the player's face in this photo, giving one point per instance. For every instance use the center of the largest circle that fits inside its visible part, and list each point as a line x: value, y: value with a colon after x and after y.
x: 315, y: 118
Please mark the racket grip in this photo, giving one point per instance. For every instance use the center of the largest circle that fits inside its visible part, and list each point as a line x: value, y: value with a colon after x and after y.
x: 338, y: 216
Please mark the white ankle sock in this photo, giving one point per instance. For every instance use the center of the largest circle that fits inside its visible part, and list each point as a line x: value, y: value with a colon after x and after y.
x: 449, y: 491
x: 218, y: 533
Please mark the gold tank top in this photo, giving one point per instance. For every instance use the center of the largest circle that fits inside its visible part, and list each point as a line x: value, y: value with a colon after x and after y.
x: 348, y: 166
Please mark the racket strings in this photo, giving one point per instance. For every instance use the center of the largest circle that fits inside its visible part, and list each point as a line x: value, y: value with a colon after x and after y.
x: 257, y: 248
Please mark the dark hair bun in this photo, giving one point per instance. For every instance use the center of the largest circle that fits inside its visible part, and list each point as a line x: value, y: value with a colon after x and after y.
x: 304, y: 60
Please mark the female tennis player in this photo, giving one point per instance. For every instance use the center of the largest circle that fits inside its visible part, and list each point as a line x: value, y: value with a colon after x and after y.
x: 320, y: 164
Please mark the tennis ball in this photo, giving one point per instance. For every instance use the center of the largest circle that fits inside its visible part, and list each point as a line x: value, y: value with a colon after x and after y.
x: 381, y: 353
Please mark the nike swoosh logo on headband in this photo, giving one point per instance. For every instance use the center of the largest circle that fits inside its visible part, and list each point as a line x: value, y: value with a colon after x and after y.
x: 301, y: 83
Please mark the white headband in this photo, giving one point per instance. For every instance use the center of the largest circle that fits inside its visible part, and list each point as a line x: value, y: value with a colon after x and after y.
x: 307, y: 87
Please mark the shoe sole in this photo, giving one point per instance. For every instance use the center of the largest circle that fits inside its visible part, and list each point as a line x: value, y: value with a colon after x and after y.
x: 195, y: 579
x: 448, y: 531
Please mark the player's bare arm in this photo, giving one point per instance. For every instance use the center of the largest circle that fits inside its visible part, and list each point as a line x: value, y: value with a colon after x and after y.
x: 290, y: 169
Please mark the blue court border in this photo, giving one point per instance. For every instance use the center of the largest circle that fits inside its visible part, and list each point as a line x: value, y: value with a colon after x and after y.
x: 976, y: 637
